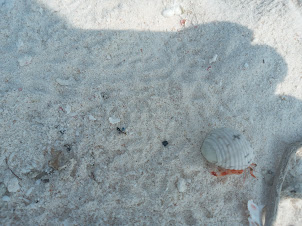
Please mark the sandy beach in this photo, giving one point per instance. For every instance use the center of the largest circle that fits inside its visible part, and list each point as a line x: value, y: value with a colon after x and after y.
x: 91, y: 89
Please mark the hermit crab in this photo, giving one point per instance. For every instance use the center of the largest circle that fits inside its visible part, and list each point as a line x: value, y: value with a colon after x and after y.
x: 228, y: 149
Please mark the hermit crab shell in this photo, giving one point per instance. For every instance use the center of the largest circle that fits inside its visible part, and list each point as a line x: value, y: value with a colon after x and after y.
x: 227, y: 148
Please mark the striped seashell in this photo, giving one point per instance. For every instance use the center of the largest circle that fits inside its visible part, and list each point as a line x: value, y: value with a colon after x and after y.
x: 228, y: 149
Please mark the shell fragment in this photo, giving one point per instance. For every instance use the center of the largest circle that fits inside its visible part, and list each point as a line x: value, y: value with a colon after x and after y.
x: 175, y: 10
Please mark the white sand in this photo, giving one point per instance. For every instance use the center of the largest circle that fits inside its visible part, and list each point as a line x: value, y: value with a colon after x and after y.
x: 68, y: 66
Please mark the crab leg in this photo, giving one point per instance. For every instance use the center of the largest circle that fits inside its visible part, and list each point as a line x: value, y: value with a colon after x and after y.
x: 226, y: 172
x: 251, y: 172
x: 251, y: 169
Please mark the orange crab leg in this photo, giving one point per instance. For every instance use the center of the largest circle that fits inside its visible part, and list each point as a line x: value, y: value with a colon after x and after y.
x: 227, y: 172
x: 231, y: 171
x: 251, y: 172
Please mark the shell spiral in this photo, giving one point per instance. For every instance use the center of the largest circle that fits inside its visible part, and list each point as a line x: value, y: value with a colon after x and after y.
x: 227, y: 148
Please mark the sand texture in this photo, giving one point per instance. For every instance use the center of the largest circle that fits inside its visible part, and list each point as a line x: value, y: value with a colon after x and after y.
x: 73, y: 71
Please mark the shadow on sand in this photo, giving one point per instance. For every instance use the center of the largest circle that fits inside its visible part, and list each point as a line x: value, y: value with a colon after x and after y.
x: 162, y: 86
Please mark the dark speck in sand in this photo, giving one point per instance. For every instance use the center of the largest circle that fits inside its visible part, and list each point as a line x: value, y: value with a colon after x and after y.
x: 165, y: 143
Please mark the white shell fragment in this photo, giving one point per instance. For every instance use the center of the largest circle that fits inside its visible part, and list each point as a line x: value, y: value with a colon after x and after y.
x: 91, y: 118
x: 175, y: 10
x: 181, y: 185
x: 13, y: 185
x: 6, y: 198
x: 255, y: 213
x: 114, y: 120
x: 68, y: 109
x: 227, y: 148
x: 214, y: 58
x: 29, y: 191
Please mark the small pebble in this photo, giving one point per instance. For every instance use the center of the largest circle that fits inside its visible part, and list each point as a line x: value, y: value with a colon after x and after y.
x: 114, y: 120
x: 108, y: 57
x: 68, y: 109
x: 6, y: 198
x: 245, y: 66
x: 181, y: 185
x: 165, y: 143
x: 213, y: 59
x: 13, y: 185
x: 29, y: 191
x: 175, y: 10
x: 91, y: 118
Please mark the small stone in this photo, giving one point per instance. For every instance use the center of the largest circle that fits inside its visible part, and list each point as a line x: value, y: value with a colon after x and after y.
x: 6, y: 198
x: 245, y: 66
x: 165, y: 143
x: 114, y: 120
x: 174, y: 10
x: 213, y: 59
x: 108, y: 57
x: 91, y: 118
x: 68, y: 109
x: 29, y: 191
x: 181, y: 185
x: 13, y: 185
x: 25, y: 60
